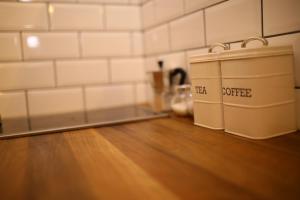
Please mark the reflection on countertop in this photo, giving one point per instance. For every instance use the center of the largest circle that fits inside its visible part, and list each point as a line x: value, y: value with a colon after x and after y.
x: 70, y: 121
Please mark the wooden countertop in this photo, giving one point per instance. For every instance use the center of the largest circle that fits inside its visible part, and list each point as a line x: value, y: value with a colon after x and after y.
x: 159, y: 159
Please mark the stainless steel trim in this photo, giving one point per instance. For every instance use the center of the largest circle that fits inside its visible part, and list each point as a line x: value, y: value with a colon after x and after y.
x: 218, y: 44
x: 84, y: 126
x: 263, y: 40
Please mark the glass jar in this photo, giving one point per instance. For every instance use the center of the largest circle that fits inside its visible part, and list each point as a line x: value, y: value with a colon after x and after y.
x: 182, y: 102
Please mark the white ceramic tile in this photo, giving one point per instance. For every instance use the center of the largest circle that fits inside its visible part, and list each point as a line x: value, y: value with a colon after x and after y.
x: 292, y: 39
x: 105, y: 1
x: 51, y: 1
x: 298, y: 107
x: 138, y: 43
x: 50, y: 45
x: 123, y: 17
x: 55, y: 101
x: 157, y: 40
x: 103, y: 97
x: 19, y: 16
x: 233, y: 20
x: 25, y: 75
x: 81, y: 72
x: 135, y: 1
x: 150, y: 93
x: 141, y: 93
x: 55, y: 108
x: 173, y: 60
x: 187, y: 32
x: 168, y: 9
x: 105, y: 44
x: 191, y: 5
x: 281, y: 16
x: 10, y: 46
x: 125, y: 70
x: 197, y: 52
x: 151, y: 64
x: 75, y: 17
x: 13, y: 112
x: 148, y: 16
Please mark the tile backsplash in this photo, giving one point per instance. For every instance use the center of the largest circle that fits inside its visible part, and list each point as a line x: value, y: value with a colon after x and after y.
x: 59, y: 57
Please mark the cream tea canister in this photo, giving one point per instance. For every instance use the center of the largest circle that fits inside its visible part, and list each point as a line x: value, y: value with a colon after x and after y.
x: 205, y: 72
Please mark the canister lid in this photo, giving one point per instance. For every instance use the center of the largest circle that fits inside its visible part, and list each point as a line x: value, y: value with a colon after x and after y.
x: 256, y: 52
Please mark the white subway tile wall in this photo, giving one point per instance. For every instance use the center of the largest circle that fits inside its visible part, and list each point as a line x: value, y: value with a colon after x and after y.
x: 10, y: 46
x: 138, y: 43
x: 233, y: 20
x: 13, y: 112
x: 148, y: 17
x: 75, y: 17
x: 21, y: 16
x: 281, y: 16
x: 101, y: 53
x: 191, y: 5
x: 187, y: 32
x: 50, y: 45
x: 102, y: 97
x: 127, y: 70
x: 54, y: 52
x: 26, y: 75
x: 141, y: 93
x: 167, y: 9
x: 55, y: 107
x: 157, y: 40
x: 106, y: 44
x: 82, y: 72
x: 115, y: 16
x: 178, y: 31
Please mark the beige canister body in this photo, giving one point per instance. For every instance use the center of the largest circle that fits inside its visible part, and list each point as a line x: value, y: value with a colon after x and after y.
x: 258, y: 92
x: 207, y: 94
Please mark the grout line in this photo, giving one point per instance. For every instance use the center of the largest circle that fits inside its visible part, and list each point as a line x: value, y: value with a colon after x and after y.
x: 76, y: 58
x: 49, y: 23
x: 79, y: 44
x: 206, y: 46
x: 21, y: 46
x: 96, y: 30
x: 131, y: 43
x: 104, y: 18
x: 204, y: 28
x: 84, y: 104
x: 73, y: 86
x: 262, y: 17
x: 55, y: 73
x: 282, y: 34
x: 27, y: 110
x: 109, y: 71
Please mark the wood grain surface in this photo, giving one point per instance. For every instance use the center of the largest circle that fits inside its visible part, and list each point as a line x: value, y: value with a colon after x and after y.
x: 159, y: 159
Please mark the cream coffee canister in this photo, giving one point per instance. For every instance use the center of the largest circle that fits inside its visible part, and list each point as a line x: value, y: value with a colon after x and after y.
x: 258, y: 91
